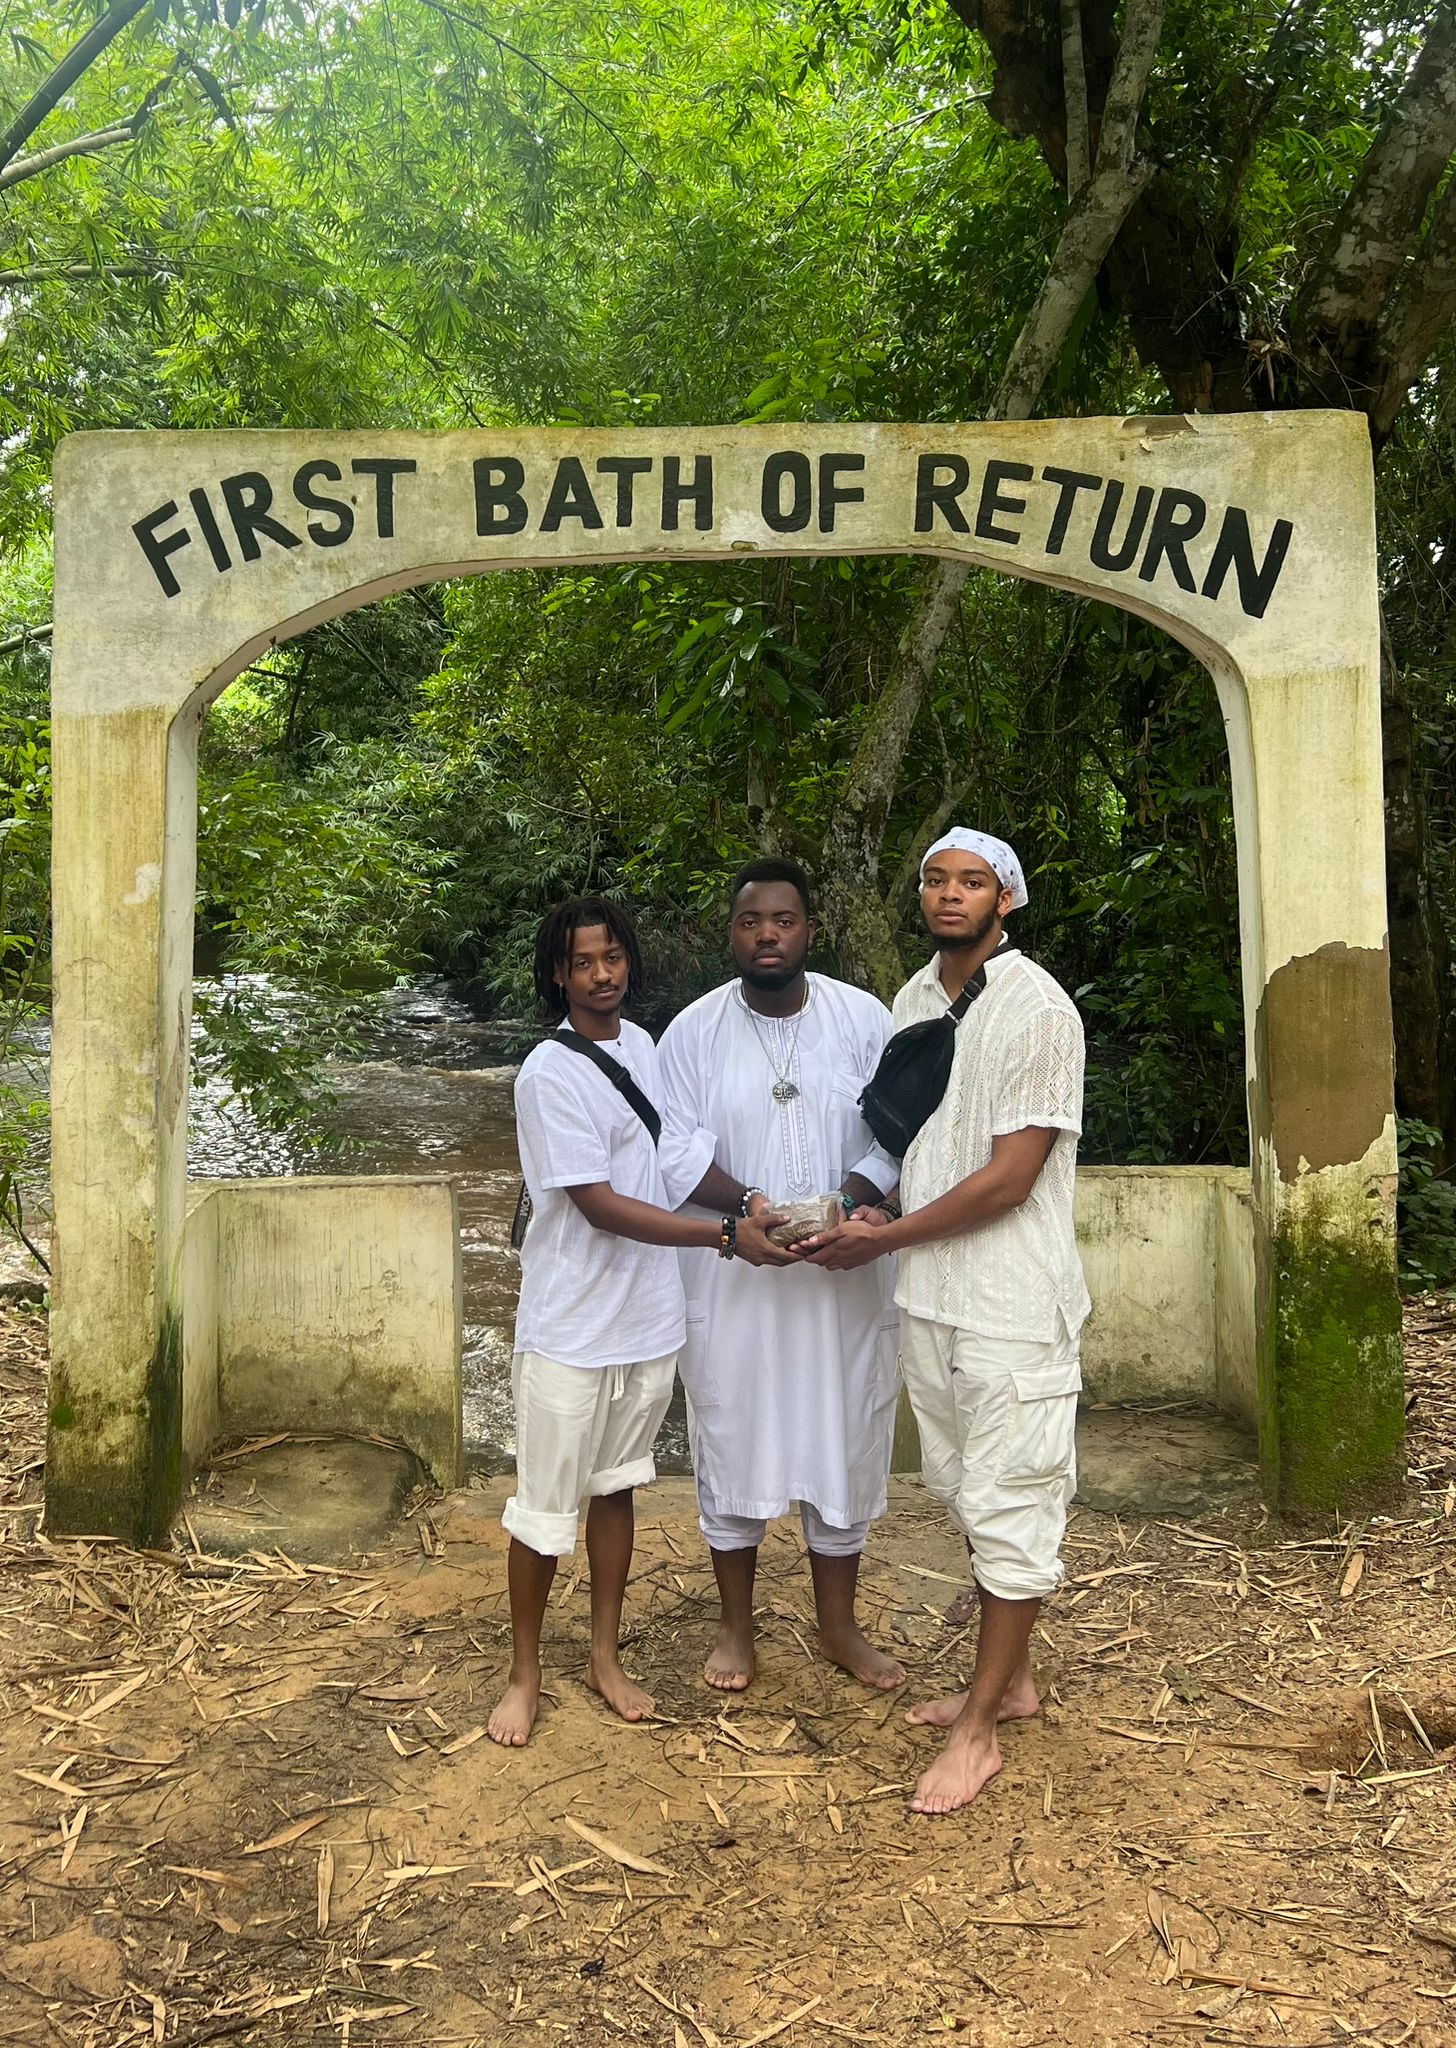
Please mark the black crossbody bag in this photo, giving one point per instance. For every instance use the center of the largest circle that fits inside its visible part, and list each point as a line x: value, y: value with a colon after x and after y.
x: 625, y: 1086
x: 910, y: 1081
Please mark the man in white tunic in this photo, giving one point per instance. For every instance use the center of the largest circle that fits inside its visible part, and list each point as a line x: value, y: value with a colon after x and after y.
x: 790, y: 1375
x: 990, y: 1284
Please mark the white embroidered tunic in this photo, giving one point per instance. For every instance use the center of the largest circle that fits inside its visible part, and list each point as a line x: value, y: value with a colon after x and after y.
x: 1019, y: 1062
x: 789, y: 1372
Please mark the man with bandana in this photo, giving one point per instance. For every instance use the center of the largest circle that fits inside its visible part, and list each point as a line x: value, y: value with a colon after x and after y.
x: 991, y: 1294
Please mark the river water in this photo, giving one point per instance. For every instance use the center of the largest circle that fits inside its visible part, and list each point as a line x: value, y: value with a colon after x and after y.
x: 431, y: 1095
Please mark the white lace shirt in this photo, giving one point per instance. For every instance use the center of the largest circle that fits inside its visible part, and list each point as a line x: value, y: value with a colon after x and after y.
x: 1019, y: 1063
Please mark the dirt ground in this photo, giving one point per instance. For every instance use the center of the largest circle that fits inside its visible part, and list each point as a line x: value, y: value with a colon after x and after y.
x: 251, y: 1800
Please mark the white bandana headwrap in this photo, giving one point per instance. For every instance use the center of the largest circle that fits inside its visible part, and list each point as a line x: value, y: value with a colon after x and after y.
x: 998, y: 856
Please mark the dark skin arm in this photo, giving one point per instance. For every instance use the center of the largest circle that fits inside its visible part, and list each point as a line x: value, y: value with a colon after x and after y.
x: 606, y: 1210
x: 863, y: 1193
x: 995, y: 1189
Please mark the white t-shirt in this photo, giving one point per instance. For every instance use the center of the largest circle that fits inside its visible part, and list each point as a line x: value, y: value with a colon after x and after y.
x: 590, y: 1298
x: 1019, y: 1059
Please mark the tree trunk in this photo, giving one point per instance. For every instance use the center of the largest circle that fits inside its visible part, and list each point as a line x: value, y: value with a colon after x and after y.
x: 857, y: 912
x: 1420, y: 960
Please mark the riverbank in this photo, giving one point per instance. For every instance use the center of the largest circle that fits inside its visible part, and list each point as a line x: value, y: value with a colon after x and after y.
x: 251, y: 1800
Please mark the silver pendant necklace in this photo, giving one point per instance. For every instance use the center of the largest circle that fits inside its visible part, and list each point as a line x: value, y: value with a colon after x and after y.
x: 785, y: 1089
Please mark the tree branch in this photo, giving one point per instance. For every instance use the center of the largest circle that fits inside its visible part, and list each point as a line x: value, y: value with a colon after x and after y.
x: 50, y: 273
x: 1418, y: 315
x: 77, y: 61
x: 855, y: 839
x: 926, y: 834
x: 25, y: 167
x: 1074, y: 87
x: 28, y: 636
x: 16, y: 173
x: 1372, y: 233
x: 1142, y: 28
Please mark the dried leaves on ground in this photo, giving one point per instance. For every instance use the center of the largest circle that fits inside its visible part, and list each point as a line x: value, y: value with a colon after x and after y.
x: 251, y: 1800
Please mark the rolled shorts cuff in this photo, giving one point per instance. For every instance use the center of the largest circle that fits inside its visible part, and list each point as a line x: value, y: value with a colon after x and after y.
x: 638, y: 1472
x: 548, y: 1535
x: 1004, y: 1580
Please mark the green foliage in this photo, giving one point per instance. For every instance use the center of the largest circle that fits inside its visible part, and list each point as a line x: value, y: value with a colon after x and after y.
x: 1427, y: 1210
x: 24, y: 961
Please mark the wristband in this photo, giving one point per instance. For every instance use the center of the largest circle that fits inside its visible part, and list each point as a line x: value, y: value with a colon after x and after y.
x: 748, y: 1195
x: 847, y: 1203
x: 890, y: 1208
x: 728, y: 1237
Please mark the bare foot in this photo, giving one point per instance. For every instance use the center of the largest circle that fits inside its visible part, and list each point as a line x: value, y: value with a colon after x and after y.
x: 515, y: 1717
x: 1019, y: 1702
x: 964, y: 1767
x: 937, y: 1713
x: 611, y: 1683
x: 730, y: 1666
x: 853, y: 1653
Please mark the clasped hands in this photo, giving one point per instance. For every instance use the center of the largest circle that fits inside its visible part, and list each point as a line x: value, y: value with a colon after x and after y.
x: 852, y: 1243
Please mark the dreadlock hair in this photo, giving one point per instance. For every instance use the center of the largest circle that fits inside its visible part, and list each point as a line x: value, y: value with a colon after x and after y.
x: 556, y: 936
x: 771, y: 868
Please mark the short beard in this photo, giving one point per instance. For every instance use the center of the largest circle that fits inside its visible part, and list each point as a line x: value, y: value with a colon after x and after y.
x: 771, y: 979
x: 969, y: 940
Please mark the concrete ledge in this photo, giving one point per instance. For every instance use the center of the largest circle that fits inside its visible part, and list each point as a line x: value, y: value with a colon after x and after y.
x: 1169, y: 1257
x: 332, y: 1304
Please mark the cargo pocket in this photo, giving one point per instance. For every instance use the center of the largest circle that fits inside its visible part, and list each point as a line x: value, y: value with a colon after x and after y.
x: 1039, y: 1440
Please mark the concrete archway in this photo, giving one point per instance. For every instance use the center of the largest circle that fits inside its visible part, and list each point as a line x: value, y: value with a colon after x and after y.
x: 181, y: 557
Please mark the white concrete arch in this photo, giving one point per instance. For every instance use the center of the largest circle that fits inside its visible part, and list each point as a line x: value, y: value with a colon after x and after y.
x: 180, y: 558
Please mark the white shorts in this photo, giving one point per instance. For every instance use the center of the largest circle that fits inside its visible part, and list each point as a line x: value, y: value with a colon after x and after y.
x: 998, y: 1421
x: 580, y: 1431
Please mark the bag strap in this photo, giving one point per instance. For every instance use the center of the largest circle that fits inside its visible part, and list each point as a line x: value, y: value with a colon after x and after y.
x: 976, y: 986
x: 620, y: 1079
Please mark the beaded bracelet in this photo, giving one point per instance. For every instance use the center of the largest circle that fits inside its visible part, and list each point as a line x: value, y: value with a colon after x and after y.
x: 728, y: 1237
x: 748, y: 1195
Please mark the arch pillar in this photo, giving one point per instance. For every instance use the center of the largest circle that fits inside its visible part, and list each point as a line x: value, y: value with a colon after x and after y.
x: 125, y: 810
x: 1320, y: 1059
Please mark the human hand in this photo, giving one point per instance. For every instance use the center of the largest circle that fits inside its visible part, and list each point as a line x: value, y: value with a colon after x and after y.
x: 852, y: 1245
x: 871, y: 1214
x: 752, y: 1243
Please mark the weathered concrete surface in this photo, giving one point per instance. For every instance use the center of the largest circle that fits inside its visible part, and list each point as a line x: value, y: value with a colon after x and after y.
x: 325, y: 1304
x: 1169, y: 1257
x: 1235, y: 1345
x: 181, y: 558
x: 320, y: 1501
x: 1168, y: 1253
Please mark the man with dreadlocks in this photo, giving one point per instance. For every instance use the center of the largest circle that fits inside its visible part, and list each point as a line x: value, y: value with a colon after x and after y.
x: 601, y: 1318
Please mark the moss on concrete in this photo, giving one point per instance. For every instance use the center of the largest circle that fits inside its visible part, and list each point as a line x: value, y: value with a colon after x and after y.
x: 1333, y: 1385
x: 163, y: 1488
x: 119, y: 1474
